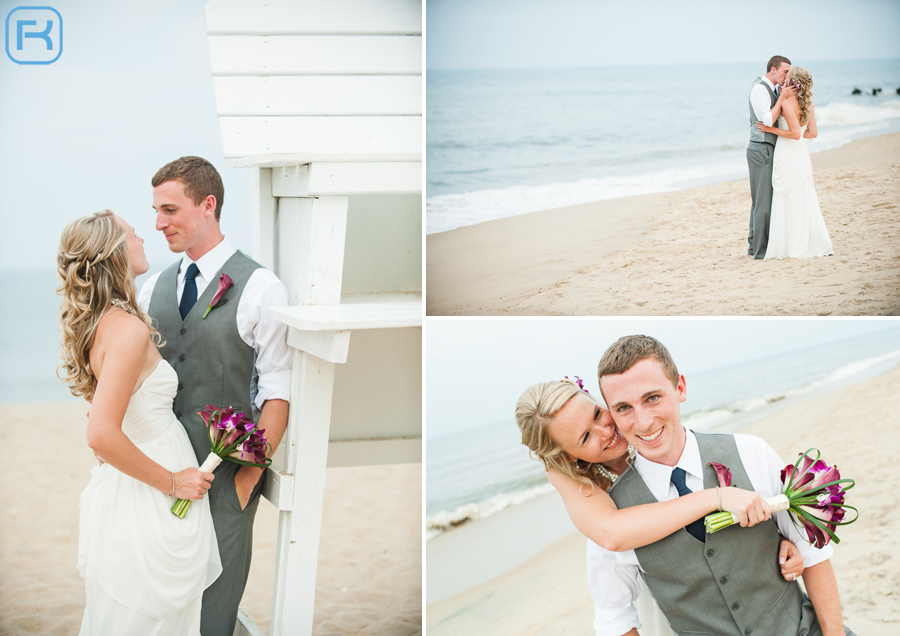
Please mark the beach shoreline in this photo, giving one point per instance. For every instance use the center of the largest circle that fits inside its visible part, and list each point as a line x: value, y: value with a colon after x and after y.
x: 369, y: 575
x: 681, y: 252
x: 864, y: 561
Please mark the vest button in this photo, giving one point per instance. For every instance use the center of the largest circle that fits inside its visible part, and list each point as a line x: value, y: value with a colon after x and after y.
x: 710, y: 552
x: 180, y: 386
x: 181, y: 358
x: 723, y: 580
x: 748, y: 631
x: 183, y: 331
x: 178, y: 413
x: 736, y: 607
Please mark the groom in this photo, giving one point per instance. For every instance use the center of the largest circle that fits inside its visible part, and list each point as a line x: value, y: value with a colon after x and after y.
x: 727, y: 583
x: 766, y: 98
x: 234, y: 356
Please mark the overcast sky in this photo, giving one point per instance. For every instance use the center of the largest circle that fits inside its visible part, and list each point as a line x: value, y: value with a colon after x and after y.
x: 131, y: 91
x: 476, y: 368
x: 574, y: 33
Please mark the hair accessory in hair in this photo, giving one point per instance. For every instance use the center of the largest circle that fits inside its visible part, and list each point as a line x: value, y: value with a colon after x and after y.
x: 577, y: 382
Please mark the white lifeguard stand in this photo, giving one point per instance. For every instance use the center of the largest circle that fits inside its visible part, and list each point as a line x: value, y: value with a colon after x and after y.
x: 322, y: 99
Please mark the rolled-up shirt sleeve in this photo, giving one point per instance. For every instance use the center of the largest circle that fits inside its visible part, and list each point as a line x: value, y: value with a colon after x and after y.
x: 761, y: 103
x: 612, y: 579
x: 267, y: 336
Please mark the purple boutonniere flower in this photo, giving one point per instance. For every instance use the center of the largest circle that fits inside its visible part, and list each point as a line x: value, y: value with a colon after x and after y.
x: 224, y: 283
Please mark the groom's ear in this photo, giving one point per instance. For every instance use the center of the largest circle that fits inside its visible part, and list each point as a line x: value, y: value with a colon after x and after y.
x: 209, y: 205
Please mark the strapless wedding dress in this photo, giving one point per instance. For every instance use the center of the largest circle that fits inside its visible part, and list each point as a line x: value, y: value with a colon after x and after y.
x: 796, y: 226
x: 144, y: 568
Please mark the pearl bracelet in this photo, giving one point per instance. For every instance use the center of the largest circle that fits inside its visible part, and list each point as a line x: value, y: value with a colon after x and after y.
x: 173, y: 486
x: 718, y: 492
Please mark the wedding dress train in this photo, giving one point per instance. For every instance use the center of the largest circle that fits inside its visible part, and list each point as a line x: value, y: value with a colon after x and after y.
x: 144, y: 568
x: 796, y: 226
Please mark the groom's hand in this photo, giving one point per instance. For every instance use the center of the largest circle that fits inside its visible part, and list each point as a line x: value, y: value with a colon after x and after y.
x: 245, y: 481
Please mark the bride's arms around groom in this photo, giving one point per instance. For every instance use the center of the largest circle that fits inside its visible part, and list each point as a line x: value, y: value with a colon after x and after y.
x: 121, y: 354
x: 597, y: 517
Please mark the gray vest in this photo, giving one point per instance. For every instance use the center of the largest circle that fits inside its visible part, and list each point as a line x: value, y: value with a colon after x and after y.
x: 214, y: 365
x: 729, y: 586
x: 756, y: 135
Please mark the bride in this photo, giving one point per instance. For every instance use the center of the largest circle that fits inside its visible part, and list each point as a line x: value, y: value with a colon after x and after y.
x: 144, y: 568
x: 583, y: 453
x: 796, y: 226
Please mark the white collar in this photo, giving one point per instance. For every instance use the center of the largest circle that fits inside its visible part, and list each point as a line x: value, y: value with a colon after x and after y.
x: 658, y: 476
x: 212, y: 261
x: 769, y: 82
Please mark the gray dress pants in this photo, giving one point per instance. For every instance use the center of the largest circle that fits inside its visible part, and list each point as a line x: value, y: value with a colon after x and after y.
x: 759, y: 160
x: 234, y: 533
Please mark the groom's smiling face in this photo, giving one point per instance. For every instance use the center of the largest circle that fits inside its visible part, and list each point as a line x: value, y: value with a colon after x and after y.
x: 646, y: 407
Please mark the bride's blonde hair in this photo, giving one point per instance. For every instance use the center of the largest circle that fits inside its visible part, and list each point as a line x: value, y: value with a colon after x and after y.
x: 804, y: 83
x: 93, y: 270
x: 535, y: 411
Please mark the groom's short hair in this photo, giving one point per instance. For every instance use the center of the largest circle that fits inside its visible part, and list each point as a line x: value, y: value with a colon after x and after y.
x: 776, y: 61
x: 626, y: 352
x: 200, y: 179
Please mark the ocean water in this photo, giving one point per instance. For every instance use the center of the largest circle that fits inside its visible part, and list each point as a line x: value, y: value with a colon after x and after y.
x: 506, y: 142
x: 481, y: 471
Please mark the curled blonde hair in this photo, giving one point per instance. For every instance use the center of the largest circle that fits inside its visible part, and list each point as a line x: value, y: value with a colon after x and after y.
x: 535, y: 411
x: 804, y: 83
x: 93, y: 270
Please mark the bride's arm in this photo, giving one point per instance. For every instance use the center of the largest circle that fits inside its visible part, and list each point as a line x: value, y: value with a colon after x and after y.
x: 597, y: 517
x: 119, y: 349
x: 790, y: 111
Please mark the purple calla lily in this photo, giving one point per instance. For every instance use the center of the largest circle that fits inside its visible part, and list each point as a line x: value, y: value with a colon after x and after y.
x: 232, y: 436
x: 723, y: 474
x: 224, y: 283
x: 813, y: 493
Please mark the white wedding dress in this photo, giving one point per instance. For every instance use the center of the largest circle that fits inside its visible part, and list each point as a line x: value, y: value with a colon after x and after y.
x: 144, y: 568
x: 796, y: 226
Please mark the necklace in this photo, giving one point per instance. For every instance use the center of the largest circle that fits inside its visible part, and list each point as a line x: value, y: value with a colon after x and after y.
x: 121, y: 304
x: 610, y: 476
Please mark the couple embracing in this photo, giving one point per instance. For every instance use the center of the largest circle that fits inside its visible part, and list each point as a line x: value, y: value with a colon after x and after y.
x: 785, y: 218
x: 148, y: 364
x: 637, y: 484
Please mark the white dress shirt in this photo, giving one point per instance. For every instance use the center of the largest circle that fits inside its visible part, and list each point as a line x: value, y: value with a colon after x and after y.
x: 613, y: 576
x: 761, y: 102
x: 267, y: 336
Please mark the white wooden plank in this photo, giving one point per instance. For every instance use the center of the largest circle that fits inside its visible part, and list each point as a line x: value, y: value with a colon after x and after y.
x: 313, y: 16
x: 373, y: 452
x: 311, y: 248
x: 315, y: 54
x: 245, y: 626
x: 318, y: 95
x: 290, y: 181
x: 398, y: 177
x: 349, y: 317
x: 309, y: 139
x: 312, y: 382
x: 263, y: 218
x: 331, y: 346
x: 351, y: 178
x: 278, y: 487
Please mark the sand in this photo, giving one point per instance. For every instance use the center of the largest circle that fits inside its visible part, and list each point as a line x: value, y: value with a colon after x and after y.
x: 370, y: 558
x: 854, y: 427
x: 682, y: 253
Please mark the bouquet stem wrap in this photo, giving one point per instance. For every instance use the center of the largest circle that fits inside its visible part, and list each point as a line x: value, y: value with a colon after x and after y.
x: 232, y: 436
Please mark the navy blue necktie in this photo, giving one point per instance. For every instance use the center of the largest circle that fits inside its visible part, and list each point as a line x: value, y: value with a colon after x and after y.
x: 189, y: 295
x: 697, y: 527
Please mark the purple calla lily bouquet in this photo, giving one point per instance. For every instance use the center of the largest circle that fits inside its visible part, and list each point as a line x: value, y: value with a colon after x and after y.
x: 813, y: 494
x: 234, y: 437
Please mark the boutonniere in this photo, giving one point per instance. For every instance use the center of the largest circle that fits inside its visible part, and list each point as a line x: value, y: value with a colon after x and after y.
x: 224, y: 283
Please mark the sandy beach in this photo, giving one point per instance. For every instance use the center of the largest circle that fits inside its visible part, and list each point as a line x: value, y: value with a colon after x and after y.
x: 681, y: 253
x: 370, y: 557
x: 854, y: 427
